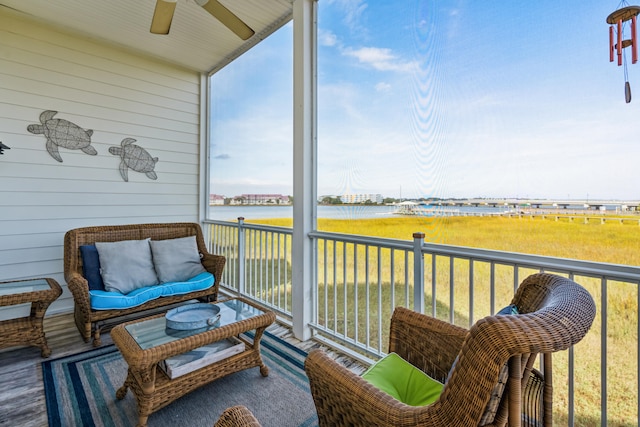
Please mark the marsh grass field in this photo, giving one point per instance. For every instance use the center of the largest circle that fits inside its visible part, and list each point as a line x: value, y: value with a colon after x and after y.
x: 611, y: 242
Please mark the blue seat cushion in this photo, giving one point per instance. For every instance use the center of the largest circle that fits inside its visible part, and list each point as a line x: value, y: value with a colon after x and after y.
x: 91, y: 267
x: 104, y: 300
x: 403, y: 381
x: 510, y: 309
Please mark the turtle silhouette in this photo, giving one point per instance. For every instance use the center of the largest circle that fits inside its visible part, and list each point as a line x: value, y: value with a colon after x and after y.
x: 62, y: 133
x: 134, y: 157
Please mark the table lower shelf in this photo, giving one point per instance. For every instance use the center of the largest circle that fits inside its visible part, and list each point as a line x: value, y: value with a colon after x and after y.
x: 166, y: 390
x: 24, y: 331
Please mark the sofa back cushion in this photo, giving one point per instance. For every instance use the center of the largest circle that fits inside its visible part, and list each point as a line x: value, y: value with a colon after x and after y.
x: 77, y: 237
x: 126, y: 265
x: 176, y: 260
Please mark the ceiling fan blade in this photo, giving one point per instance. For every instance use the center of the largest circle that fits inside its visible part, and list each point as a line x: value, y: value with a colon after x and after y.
x: 227, y: 18
x: 162, y: 16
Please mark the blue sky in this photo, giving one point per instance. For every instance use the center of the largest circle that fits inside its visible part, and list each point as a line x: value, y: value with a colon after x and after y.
x: 447, y: 99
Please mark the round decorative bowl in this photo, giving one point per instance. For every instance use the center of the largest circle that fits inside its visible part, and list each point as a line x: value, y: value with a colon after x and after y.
x: 193, y: 316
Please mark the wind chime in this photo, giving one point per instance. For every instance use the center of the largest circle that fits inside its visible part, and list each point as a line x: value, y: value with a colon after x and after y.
x: 617, y: 23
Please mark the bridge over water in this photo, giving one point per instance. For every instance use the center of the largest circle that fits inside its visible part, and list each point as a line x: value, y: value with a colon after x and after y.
x: 616, y: 205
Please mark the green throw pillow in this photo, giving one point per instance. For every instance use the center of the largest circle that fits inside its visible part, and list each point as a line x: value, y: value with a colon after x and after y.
x: 403, y: 381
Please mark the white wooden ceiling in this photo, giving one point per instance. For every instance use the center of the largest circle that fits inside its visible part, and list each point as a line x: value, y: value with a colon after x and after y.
x: 197, y: 40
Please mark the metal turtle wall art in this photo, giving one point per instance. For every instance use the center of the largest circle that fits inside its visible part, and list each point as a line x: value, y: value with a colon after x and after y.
x: 134, y: 157
x: 62, y: 133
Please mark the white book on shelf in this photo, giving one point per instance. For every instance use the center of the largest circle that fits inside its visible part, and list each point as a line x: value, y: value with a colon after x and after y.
x: 195, y: 359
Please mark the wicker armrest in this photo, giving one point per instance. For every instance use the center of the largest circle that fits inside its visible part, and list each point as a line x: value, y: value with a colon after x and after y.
x: 79, y: 288
x: 237, y: 416
x: 426, y: 342
x: 344, y: 398
x: 214, y: 264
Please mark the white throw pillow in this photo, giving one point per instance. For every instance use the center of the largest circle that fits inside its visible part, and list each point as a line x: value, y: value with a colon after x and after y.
x: 126, y: 265
x: 176, y: 260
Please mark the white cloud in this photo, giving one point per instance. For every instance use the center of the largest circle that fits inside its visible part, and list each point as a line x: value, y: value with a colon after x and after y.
x: 383, y: 87
x: 381, y: 59
x: 353, y: 11
x: 327, y: 38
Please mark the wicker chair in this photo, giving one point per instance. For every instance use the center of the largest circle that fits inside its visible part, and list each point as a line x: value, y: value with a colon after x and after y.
x: 555, y: 314
x: 237, y: 416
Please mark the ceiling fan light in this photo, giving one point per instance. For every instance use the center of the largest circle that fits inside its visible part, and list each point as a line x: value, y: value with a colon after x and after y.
x: 162, y: 16
x: 227, y: 18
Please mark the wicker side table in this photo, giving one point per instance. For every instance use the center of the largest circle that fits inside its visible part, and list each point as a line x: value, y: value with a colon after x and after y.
x: 27, y: 330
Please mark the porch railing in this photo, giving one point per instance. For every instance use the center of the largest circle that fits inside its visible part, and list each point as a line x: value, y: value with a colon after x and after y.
x: 360, y: 280
x: 258, y: 261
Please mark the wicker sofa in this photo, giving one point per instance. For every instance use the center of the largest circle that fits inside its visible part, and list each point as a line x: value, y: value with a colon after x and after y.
x: 90, y: 321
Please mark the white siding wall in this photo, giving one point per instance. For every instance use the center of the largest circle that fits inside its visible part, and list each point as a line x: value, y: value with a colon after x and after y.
x: 118, y: 95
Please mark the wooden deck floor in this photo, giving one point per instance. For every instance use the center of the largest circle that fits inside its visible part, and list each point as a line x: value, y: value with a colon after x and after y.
x: 21, y: 392
x: 22, y: 401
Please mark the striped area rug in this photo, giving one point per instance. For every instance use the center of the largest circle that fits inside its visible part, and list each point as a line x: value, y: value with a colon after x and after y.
x: 80, y: 391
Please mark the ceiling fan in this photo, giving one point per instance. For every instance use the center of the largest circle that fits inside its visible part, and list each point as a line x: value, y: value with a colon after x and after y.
x: 163, y: 15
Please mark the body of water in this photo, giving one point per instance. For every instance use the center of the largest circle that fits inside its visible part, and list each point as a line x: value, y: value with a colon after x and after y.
x: 231, y: 213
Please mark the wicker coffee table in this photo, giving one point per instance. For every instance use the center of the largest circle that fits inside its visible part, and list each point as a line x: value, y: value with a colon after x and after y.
x: 146, y: 342
x: 27, y: 330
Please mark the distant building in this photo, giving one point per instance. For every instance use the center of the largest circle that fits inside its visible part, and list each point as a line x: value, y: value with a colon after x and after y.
x: 260, y: 199
x: 216, y: 199
x: 361, y: 198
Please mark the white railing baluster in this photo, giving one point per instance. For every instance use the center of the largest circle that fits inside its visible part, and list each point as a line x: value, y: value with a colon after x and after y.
x: 603, y: 352
x: 287, y: 262
x: 241, y: 257
x: 434, y: 301
x: 367, y: 305
x: 418, y: 272
x: 273, y: 285
x: 251, y: 249
x: 392, y: 279
x: 356, y: 310
x: 471, y: 293
x: 336, y: 283
x: 263, y: 274
x: 379, y: 298
x: 452, y: 297
x: 571, y: 382
x: 406, y: 278
x: 279, y: 260
x: 325, y: 276
x: 225, y: 248
x: 492, y: 286
x: 346, y: 293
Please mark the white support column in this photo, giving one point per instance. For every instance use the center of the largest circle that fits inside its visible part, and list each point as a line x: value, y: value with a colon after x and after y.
x: 304, y: 165
x: 204, y: 190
